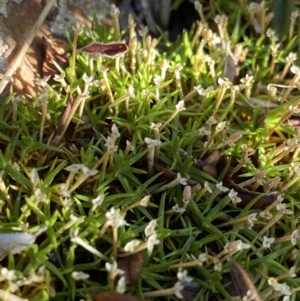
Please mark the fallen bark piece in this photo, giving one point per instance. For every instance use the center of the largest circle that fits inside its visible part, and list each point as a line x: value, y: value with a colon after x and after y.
x: 52, y: 55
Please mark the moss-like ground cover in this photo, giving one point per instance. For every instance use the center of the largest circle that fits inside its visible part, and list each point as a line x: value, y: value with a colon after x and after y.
x: 166, y: 161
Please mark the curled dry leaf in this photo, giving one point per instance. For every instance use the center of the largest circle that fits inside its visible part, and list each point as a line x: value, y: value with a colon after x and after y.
x: 17, y: 242
x: 213, y: 165
x: 242, y: 282
x: 209, y: 164
x: 112, y: 296
x: 51, y: 54
x: 112, y: 50
x: 132, y: 266
x: 247, y: 196
x: 264, y: 199
x: 65, y: 114
x: 231, y: 68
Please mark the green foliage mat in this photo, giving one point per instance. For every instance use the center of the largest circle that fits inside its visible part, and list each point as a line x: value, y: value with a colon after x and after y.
x: 161, y: 162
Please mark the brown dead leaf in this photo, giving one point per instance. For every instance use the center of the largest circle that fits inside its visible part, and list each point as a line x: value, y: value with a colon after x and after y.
x: 112, y: 296
x: 132, y: 266
x: 241, y: 281
x: 209, y: 164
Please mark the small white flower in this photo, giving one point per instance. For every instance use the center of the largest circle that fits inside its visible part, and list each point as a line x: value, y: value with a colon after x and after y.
x: 204, y: 132
x: 282, y: 208
x: 178, y: 209
x: 89, y: 172
x: 115, y: 218
x: 121, y: 286
x: 247, y: 80
x: 285, y: 289
x: 129, y: 146
x: 292, y: 272
x: 221, y: 187
x: 207, y: 187
x: 42, y: 81
x: 155, y: 126
x: 74, y: 219
x: 291, y: 57
x: 286, y: 298
x: 217, y: 264
x: 73, y: 233
x: 74, y: 167
x: 252, y: 217
x: 150, y: 228
x: 183, y: 277
x: 113, y: 269
x: 34, y: 176
x: 9, y: 275
x: 198, y: 6
x: 266, y: 215
x: 152, y: 142
x: 280, y: 198
x: 221, y: 126
x: 271, y: 34
x: 180, y: 106
x: 157, y: 80
x: 294, y: 14
x: 87, y: 79
x: 115, y: 132
x: 178, y: 288
x: 144, y: 201
x: 250, y: 296
x: 2, y: 183
x: 295, y: 235
x: 152, y: 241
x: 202, y: 258
x: 63, y: 190
x: 80, y: 276
x: 182, y: 181
x: 68, y: 202
x: 97, y: 202
x: 234, y: 198
x: 221, y: 19
x: 236, y: 246
x: 143, y: 31
x: 267, y: 242
x: 110, y: 144
x: 59, y: 78
x: 40, y: 196
x: 221, y: 81
x: 205, y: 92
x: 82, y: 94
x: 295, y: 69
x: 114, y: 11
x: 131, y: 91
x: 211, y: 121
x: 131, y: 246
x: 274, y: 283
